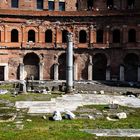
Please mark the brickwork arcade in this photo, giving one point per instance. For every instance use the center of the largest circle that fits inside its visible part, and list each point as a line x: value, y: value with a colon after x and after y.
x: 106, y: 39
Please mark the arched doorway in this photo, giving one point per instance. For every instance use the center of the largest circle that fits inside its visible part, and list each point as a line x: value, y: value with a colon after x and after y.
x: 131, y: 67
x: 31, y: 66
x: 62, y: 67
x: 99, y: 67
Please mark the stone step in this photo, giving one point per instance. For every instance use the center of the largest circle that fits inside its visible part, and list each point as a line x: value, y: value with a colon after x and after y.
x: 43, y: 110
x: 27, y: 104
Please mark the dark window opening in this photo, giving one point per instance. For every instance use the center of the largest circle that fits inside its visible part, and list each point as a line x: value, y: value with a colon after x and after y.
x: 82, y: 36
x: 130, y: 4
x: 31, y: 66
x: 99, y: 67
x: 64, y: 36
x: 116, y: 36
x: 90, y: 4
x: 132, y: 35
x: 61, y: 6
x: 31, y: 36
x: 110, y: 4
x: 99, y: 37
x: 39, y: 4
x: 0, y: 36
x: 14, y: 3
x: 1, y: 73
x: 48, y: 36
x: 51, y: 5
x: 14, y: 35
x: 131, y: 62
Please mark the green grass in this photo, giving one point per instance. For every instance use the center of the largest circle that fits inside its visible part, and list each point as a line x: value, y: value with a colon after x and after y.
x: 40, y: 129
x: 29, y: 97
x: 6, y: 86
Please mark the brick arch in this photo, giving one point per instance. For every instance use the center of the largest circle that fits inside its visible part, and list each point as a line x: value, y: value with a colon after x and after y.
x: 31, y: 28
x: 31, y: 65
x: 106, y: 55
x: 16, y: 28
x: 116, y: 28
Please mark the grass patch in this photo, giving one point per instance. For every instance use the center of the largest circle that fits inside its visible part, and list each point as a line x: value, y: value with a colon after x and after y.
x: 29, y: 97
x: 7, y: 86
x: 40, y: 129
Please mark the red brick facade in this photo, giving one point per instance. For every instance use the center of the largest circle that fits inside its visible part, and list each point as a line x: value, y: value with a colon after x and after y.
x: 106, y: 40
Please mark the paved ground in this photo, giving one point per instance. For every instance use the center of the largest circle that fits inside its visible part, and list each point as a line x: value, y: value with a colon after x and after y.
x: 114, y: 132
x: 71, y: 102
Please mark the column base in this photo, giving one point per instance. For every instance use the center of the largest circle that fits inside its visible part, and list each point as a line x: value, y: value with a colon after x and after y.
x: 69, y: 90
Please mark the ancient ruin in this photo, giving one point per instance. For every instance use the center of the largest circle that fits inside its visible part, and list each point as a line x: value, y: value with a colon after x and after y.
x: 106, y: 39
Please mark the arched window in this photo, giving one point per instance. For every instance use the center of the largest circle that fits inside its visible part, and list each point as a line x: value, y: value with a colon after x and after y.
x: 82, y: 36
x: 99, y: 36
x: 110, y: 4
x: 132, y: 35
x: 48, y: 36
x: 31, y: 35
x: 14, y: 35
x: 116, y: 36
x: 64, y: 36
x: 14, y: 3
x: 90, y: 4
x: 130, y: 4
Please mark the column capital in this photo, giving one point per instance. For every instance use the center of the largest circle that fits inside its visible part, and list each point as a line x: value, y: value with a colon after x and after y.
x: 70, y: 37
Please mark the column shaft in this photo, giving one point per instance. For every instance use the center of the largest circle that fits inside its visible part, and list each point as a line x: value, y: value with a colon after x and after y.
x: 55, y: 71
x: 69, y: 68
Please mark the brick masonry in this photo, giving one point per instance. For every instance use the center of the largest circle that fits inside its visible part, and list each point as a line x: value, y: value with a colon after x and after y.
x: 27, y: 17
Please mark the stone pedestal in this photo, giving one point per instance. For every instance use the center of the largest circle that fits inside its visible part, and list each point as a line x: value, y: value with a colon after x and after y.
x: 55, y: 71
x: 121, y: 73
x: 23, y: 86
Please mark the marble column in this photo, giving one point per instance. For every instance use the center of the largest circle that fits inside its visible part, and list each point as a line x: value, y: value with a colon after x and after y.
x: 108, y: 73
x: 21, y: 73
x: 90, y: 71
x: 6, y: 73
x: 121, y: 73
x: 138, y: 73
x: 75, y: 71
x: 41, y: 71
x: 56, y: 71
x: 69, y: 67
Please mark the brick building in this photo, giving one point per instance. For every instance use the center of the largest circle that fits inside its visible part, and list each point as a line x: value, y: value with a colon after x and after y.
x: 106, y: 36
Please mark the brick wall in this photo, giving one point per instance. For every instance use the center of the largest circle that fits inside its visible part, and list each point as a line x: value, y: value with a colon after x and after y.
x: 70, y: 4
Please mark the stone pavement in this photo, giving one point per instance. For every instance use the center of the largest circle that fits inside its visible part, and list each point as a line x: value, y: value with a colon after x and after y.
x: 114, y: 132
x: 71, y: 102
